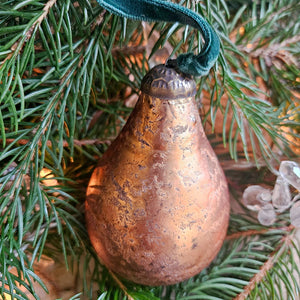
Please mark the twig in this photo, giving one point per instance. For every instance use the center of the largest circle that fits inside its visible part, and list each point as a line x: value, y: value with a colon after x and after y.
x: 272, y: 50
x: 241, y: 164
x: 29, y: 32
x: 65, y: 143
x: 98, y: 21
x: 46, y: 10
x: 120, y: 284
x: 244, y: 164
x: 132, y: 50
x: 267, y: 266
x: 91, y: 142
x: 236, y: 235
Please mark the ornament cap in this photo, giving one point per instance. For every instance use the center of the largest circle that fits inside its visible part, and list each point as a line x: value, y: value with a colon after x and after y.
x: 166, y: 82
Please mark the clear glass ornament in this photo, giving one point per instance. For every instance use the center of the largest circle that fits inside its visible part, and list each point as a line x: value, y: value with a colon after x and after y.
x: 255, y: 197
x: 290, y: 171
x: 295, y: 214
x: 267, y: 215
x: 281, y: 196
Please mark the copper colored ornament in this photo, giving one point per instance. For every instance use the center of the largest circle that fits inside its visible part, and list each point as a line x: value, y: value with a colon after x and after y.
x: 157, y: 204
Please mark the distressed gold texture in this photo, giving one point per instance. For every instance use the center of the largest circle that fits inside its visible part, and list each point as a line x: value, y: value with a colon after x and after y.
x: 157, y: 204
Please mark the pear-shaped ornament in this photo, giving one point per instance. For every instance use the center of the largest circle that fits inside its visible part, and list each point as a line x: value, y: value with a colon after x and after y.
x: 157, y: 204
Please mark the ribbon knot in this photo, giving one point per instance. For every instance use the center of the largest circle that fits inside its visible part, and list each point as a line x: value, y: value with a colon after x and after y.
x: 160, y: 10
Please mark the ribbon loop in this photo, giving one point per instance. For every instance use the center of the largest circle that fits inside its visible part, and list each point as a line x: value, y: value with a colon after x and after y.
x: 160, y: 10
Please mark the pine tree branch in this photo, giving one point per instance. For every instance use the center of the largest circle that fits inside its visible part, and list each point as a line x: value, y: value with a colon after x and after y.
x: 16, y: 47
x: 266, y: 267
x: 269, y: 18
x: 68, y: 52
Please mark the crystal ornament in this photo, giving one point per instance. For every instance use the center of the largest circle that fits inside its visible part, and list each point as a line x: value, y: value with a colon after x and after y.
x: 267, y: 203
x: 281, y: 197
x: 267, y: 215
x: 290, y: 171
x: 295, y: 214
x: 255, y: 197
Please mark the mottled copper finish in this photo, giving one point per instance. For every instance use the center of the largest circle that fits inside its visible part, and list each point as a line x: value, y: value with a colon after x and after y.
x: 157, y: 204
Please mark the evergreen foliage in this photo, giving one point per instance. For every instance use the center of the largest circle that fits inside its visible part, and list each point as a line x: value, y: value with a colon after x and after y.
x: 65, y: 69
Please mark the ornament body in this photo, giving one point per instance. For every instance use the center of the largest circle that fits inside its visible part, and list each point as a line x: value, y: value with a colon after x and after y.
x: 157, y: 205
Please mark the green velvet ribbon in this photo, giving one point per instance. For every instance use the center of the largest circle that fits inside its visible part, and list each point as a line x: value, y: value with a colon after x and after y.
x: 160, y: 10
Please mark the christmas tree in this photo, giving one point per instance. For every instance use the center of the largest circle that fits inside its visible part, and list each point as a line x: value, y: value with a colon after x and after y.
x: 70, y: 73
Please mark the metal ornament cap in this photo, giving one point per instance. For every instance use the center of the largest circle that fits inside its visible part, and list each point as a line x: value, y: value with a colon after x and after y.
x: 167, y: 83
x: 157, y: 205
